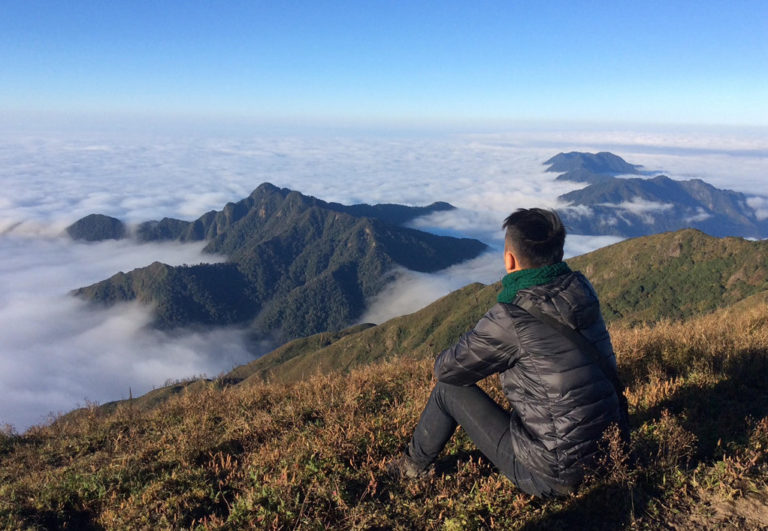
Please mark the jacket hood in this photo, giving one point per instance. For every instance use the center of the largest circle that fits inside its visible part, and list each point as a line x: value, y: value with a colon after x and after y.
x: 570, y: 299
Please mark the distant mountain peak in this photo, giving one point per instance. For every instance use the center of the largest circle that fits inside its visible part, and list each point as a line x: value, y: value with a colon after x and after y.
x: 636, y: 206
x: 268, y: 187
x: 296, y: 264
x: 589, y: 167
x: 97, y: 227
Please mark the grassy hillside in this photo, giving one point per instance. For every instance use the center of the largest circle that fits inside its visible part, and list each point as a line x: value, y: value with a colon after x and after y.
x: 417, y: 335
x: 312, y: 455
x: 675, y: 274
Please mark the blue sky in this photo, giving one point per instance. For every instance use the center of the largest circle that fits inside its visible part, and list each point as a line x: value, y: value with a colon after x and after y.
x: 387, y: 62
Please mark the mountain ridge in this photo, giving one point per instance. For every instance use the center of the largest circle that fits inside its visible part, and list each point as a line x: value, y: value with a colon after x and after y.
x: 636, y: 206
x: 97, y: 227
x: 213, y: 224
x: 294, y: 265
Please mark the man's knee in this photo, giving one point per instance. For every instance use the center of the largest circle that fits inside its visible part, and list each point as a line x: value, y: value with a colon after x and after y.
x: 442, y: 387
x: 445, y: 392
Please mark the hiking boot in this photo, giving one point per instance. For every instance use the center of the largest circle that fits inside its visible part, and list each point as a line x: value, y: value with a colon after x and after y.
x: 404, y: 467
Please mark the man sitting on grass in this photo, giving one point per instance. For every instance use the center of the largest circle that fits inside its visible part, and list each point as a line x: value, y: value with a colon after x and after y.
x: 547, y: 340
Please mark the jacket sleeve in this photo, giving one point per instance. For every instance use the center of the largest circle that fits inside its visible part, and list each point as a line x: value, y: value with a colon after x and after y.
x: 491, y: 347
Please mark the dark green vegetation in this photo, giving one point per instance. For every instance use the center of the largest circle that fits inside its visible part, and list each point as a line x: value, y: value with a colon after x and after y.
x: 636, y: 206
x: 97, y: 227
x: 674, y: 275
x: 312, y: 455
x: 296, y: 265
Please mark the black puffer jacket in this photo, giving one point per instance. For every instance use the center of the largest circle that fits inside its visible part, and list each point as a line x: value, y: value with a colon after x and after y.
x: 561, y: 399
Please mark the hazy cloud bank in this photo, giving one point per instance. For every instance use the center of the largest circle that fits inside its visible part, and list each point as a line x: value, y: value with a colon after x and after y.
x: 56, y: 352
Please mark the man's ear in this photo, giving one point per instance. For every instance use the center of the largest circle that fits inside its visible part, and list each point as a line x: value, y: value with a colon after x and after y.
x: 510, y: 262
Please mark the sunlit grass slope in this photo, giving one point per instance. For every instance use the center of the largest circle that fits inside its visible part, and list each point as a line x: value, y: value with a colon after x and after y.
x: 312, y: 454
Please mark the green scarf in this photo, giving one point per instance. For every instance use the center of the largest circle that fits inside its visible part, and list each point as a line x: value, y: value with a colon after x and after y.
x: 514, y: 282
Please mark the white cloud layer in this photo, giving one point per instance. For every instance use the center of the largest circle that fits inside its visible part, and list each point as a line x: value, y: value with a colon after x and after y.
x: 760, y: 206
x: 638, y: 206
x: 700, y: 215
x: 56, y: 353
x: 411, y: 290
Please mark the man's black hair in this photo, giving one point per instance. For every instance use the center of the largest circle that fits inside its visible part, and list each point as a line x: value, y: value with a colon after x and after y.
x: 536, y: 236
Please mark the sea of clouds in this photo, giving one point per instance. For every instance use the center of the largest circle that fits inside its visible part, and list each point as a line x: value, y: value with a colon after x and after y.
x: 56, y: 353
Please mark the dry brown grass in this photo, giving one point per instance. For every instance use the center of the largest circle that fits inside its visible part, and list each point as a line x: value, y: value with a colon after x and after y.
x: 312, y: 455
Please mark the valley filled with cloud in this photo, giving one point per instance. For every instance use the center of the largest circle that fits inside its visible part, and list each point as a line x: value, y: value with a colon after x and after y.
x: 58, y: 353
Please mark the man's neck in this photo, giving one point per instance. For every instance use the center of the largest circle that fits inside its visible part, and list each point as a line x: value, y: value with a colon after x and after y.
x: 525, y: 278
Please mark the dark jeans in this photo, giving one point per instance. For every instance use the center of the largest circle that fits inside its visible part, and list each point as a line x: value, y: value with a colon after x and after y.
x: 487, y: 425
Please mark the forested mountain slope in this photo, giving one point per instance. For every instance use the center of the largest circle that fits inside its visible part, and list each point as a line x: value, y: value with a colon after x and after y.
x: 296, y: 265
